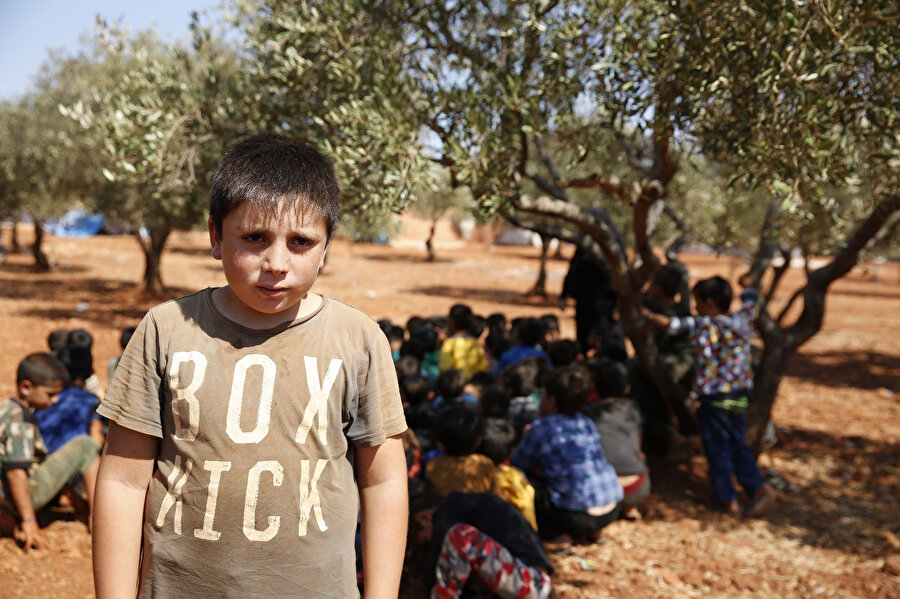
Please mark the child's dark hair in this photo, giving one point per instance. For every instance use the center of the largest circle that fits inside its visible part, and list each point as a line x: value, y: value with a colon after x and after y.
x: 716, y: 289
x: 41, y: 369
x: 450, y: 384
x: 569, y: 386
x: 416, y: 389
x: 407, y: 366
x: 529, y: 332
x: 610, y: 379
x: 460, y: 317
x: 549, y: 322
x: 562, y: 352
x: 458, y: 428
x: 477, y: 324
x: 494, y: 402
x: 670, y: 279
x: 498, y: 439
x: 127, y: 334
x: 414, y: 323
x: 523, y: 377
x: 394, y: 333
x: 56, y: 340
x: 78, y: 362
x: 271, y: 172
x: 496, y: 322
x: 80, y: 338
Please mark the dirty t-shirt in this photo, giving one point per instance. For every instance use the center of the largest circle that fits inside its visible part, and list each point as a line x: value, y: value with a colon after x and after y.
x: 253, y: 494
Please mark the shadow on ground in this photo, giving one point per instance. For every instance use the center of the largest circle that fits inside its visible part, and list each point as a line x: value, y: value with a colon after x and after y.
x: 517, y: 298
x: 840, y: 493
x: 859, y: 369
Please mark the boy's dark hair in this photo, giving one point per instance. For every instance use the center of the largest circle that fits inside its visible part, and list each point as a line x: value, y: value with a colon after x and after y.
x: 670, y: 279
x: 429, y: 338
x: 56, y: 340
x: 496, y: 322
x: 450, y: 384
x: 416, y: 389
x: 460, y: 317
x: 523, y: 377
x: 610, y: 379
x: 80, y: 338
x: 394, y: 333
x: 562, y: 352
x: 407, y: 366
x: 494, y: 402
x: 717, y: 289
x: 477, y: 324
x: 415, y: 347
x: 498, y: 439
x: 529, y: 332
x: 549, y: 322
x: 271, y: 171
x: 78, y: 362
x: 438, y: 322
x: 414, y: 324
x: 482, y: 378
x: 458, y: 428
x: 127, y: 334
x: 569, y: 386
x: 41, y: 369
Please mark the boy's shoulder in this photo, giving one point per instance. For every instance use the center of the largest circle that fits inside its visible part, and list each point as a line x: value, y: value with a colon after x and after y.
x: 12, y: 412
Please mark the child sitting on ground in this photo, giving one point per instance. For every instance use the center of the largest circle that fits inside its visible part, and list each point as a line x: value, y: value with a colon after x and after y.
x: 576, y: 490
x: 461, y: 349
x: 724, y: 381
x: 30, y: 476
x: 618, y: 420
x: 450, y: 388
x: 457, y: 431
x: 498, y: 443
x: 523, y: 381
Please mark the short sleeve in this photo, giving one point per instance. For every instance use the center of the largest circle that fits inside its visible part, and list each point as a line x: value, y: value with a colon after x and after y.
x: 379, y: 409
x: 134, y: 396
x: 20, y: 446
x: 680, y: 325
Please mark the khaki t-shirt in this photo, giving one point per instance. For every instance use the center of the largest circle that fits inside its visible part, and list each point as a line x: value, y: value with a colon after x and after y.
x: 253, y: 494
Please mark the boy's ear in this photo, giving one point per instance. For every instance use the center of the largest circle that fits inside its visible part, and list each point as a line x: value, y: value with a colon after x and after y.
x: 325, y: 251
x: 215, y: 241
x: 25, y: 388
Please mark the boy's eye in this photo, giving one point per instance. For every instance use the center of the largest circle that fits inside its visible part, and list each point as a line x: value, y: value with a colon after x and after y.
x: 254, y: 237
x: 302, y: 242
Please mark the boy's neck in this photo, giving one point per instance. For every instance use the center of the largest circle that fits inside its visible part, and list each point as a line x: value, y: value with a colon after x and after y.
x: 232, y: 308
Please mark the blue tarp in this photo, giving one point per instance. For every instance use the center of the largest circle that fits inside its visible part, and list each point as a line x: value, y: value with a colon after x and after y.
x: 76, y: 223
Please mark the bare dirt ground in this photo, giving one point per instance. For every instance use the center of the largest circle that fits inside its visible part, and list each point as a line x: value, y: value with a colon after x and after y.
x: 838, y: 414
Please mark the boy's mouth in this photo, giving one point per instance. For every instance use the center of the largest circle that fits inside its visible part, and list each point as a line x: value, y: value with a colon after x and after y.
x: 272, y: 291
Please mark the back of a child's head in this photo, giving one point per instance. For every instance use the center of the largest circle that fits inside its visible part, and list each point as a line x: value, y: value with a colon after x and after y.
x: 496, y: 323
x: 41, y: 369
x: 525, y: 376
x: 494, y: 402
x: 610, y: 379
x: 127, y: 334
x: 394, y: 334
x: 407, y: 366
x: 498, y: 439
x: 529, y: 332
x: 669, y: 279
x: 460, y: 317
x: 716, y: 289
x: 549, y: 322
x: 416, y: 389
x: 415, y: 347
x: 80, y: 338
x: 569, y: 386
x: 271, y: 172
x: 78, y: 362
x: 458, y: 427
x: 56, y: 340
x: 450, y: 384
x: 562, y: 352
x: 477, y: 325
x: 414, y: 323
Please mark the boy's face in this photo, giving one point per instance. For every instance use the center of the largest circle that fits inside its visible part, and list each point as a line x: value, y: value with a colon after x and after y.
x: 270, y: 261
x: 39, y: 397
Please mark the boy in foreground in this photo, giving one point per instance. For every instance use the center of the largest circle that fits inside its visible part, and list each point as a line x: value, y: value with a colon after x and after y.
x: 31, y: 476
x: 724, y: 381
x: 252, y: 422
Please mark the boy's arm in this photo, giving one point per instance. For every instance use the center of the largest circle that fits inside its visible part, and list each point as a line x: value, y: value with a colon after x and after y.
x: 125, y: 472
x: 19, y: 489
x: 383, y: 492
x: 660, y: 321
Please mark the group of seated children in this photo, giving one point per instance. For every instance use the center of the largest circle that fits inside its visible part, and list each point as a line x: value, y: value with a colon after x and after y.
x: 51, y: 435
x: 523, y: 441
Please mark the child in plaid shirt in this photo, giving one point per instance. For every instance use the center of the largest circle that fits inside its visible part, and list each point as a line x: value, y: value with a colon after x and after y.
x: 576, y: 489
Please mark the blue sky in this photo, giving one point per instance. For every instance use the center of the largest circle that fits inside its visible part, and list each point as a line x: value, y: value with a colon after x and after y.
x: 28, y: 28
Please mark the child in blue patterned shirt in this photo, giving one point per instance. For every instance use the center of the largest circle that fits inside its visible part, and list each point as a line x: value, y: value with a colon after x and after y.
x: 724, y: 381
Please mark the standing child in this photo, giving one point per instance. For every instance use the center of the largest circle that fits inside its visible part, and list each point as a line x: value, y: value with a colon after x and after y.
x: 724, y: 380
x: 31, y: 477
x: 251, y: 423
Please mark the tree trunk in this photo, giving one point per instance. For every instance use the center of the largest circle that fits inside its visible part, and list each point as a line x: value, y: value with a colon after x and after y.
x: 14, y: 245
x: 153, y: 249
x: 540, y: 286
x: 429, y: 243
x: 40, y: 258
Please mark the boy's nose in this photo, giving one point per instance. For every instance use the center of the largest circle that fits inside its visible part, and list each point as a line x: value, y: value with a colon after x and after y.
x: 277, y: 258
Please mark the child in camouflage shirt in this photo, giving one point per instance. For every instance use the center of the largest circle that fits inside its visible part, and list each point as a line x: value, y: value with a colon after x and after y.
x: 31, y: 477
